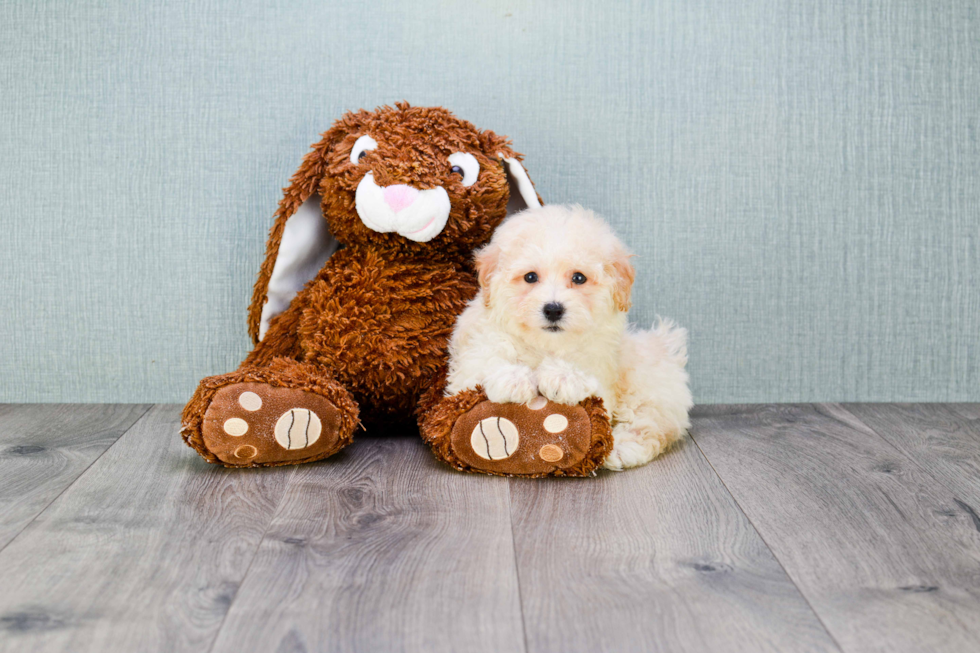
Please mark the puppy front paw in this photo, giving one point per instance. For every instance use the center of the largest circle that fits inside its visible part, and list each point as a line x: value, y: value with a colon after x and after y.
x: 563, y: 383
x: 507, y: 384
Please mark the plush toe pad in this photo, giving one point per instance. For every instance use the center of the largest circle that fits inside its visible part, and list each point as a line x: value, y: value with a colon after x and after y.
x: 539, y: 437
x: 255, y: 423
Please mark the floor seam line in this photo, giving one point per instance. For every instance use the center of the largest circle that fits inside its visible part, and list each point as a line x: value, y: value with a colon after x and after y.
x: 915, y: 463
x: 136, y: 421
x: 517, y: 568
x: 768, y: 547
x: 255, y: 554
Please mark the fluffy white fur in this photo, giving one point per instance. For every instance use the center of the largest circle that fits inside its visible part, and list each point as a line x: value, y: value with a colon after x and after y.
x: 504, y: 343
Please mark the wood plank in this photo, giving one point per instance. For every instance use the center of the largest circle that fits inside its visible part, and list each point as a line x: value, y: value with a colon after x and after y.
x: 383, y: 549
x: 944, y: 440
x: 883, y: 552
x: 44, y: 448
x: 971, y: 411
x: 144, y: 552
x: 658, y: 558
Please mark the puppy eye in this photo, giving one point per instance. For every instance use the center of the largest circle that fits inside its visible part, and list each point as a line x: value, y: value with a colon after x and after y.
x: 579, y: 278
x: 466, y: 165
x: 531, y: 277
x: 361, y: 147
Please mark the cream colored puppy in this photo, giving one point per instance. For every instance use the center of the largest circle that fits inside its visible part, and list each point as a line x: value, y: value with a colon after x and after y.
x: 550, y: 318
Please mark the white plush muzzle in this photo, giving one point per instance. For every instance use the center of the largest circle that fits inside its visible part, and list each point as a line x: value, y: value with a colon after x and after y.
x: 418, y: 215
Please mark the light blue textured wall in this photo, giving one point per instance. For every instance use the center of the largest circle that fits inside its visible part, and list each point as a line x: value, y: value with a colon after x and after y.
x: 801, y: 180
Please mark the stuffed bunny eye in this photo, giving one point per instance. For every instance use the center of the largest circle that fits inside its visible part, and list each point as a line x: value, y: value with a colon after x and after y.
x: 361, y: 147
x: 465, y: 164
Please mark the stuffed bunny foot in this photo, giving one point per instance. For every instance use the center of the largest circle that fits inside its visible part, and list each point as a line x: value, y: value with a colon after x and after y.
x: 537, y: 438
x: 258, y: 417
x: 256, y: 423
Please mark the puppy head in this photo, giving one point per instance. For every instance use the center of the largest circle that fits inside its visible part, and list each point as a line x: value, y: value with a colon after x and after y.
x: 555, y: 270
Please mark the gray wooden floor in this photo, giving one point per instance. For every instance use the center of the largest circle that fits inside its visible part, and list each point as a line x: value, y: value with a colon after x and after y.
x: 773, y: 528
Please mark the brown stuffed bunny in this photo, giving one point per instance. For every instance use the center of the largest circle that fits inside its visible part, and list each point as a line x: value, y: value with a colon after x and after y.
x: 367, y: 266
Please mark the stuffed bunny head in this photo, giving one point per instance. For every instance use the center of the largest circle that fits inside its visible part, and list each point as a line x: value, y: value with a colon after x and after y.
x: 414, y: 181
x: 417, y: 179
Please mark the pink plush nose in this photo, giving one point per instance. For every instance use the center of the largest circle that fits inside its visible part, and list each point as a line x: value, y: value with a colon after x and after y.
x: 399, y: 196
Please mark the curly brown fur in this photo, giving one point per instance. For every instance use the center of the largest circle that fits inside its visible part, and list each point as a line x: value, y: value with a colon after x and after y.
x: 383, y: 326
x: 413, y: 143
x: 374, y: 324
x: 436, y: 424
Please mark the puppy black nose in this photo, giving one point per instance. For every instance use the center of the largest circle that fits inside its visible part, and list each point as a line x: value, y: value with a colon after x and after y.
x: 553, y: 311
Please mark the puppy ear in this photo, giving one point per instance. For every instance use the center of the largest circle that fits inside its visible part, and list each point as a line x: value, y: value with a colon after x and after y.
x: 486, y: 265
x: 299, y: 243
x: 522, y: 194
x: 623, y: 275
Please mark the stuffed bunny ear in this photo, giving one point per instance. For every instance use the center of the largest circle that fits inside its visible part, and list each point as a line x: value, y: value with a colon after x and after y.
x: 299, y: 244
x: 522, y: 193
x: 305, y: 246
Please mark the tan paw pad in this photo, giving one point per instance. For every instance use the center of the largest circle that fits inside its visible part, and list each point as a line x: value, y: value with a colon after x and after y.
x: 537, y: 403
x: 298, y: 428
x: 555, y: 423
x: 236, y: 426
x: 250, y: 401
x: 495, y: 438
x: 551, y: 453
